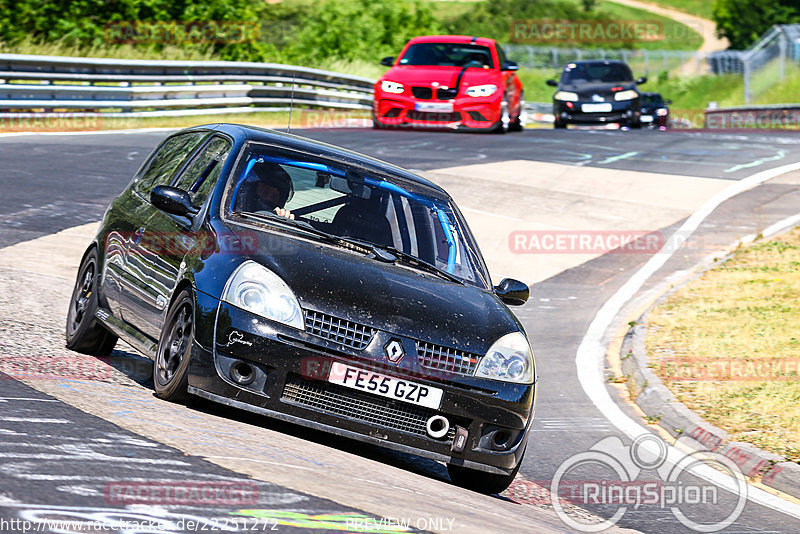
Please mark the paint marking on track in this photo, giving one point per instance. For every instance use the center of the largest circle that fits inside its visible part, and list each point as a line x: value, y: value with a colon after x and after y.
x: 591, y: 352
x: 34, y: 420
x: 780, y: 155
x: 27, y: 399
x: 619, y: 157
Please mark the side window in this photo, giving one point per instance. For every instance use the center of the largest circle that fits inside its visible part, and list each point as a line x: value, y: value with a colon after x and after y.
x: 168, y: 157
x: 202, y: 173
x: 501, y: 56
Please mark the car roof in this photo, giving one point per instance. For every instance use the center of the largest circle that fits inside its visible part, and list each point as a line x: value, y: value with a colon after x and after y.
x: 325, y: 150
x: 460, y: 39
x: 595, y: 61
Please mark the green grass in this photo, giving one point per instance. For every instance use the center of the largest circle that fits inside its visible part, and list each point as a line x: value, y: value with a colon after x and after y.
x: 677, y: 36
x: 727, y: 345
x: 701, y: 8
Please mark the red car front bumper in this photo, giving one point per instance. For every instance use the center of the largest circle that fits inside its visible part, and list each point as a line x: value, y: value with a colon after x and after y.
x: 464, y: 112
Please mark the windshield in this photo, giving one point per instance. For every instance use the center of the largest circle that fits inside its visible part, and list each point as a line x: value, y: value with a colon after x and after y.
x: 448, y: 55
x: 596, y: 73
x: 652, y: 99
x: 346, y: 202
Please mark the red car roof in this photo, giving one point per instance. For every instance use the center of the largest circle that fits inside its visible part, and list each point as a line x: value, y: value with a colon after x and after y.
x: 465, y: 39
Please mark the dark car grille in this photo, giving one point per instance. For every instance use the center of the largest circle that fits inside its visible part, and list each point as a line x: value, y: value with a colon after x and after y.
x: 345, y: 402
x: 446, y: 94
x: 348, y: 333
x: 433, y: 117
x: 423, y: 93
x: 446, y: 359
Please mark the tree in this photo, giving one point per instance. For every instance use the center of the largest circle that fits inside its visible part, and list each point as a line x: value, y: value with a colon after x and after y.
x: 742, y: 22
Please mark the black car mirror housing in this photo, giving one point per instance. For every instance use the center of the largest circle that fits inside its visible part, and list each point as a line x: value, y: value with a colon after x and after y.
x: 173, y: 200
x: 513, y: 292
x: 388, y: 61
x: 509, y: 65
x: 643, y: 79
x: 552, y: 83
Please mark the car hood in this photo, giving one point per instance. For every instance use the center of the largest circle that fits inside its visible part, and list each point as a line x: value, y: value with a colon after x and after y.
x: 385, y: 296
x: 425, y: 76
x: 586, y: 90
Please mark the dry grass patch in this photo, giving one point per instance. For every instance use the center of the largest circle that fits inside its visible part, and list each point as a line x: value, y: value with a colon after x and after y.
x: 728, y: 345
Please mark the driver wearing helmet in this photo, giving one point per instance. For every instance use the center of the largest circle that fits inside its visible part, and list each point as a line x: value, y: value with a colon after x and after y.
x: 267, y: 188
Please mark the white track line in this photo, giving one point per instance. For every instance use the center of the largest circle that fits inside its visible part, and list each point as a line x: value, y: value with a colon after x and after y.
x: 591, y: 352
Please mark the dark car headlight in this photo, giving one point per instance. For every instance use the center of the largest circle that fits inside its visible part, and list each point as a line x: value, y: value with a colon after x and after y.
x: 509, y: 359
x: 630, y: 94
x: 255, y: 288
x: 566, y: 96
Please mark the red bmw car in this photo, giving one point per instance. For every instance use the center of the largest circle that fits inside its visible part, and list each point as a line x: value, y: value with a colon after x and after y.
x: 450, y: 81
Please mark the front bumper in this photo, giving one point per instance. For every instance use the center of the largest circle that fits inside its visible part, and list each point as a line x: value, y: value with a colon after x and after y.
x: 464, y: 112
x: 624, y: 112
x: 290, y: 383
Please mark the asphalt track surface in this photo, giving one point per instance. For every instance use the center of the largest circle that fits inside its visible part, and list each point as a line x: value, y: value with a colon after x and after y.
x: 49, y: 183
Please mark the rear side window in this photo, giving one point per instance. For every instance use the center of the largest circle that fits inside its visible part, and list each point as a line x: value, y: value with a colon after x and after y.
x: 202, y: 173
x: 168, y: 157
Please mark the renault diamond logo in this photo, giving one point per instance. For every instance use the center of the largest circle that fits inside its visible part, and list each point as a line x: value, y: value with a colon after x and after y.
x: 394, y: 350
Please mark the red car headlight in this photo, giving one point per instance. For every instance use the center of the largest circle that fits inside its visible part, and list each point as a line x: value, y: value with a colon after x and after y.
x: 392, y: 87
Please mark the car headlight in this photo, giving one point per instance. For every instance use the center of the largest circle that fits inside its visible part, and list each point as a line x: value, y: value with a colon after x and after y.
x: 255, y: 288
x: 392, y: 87
x: 509, y: 359
x: 566, y: 96
x: 662, y: 112
x: 482, y: 90
x: 630, y: 94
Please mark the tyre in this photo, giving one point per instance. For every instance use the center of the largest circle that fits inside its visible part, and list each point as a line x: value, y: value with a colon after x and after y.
x: 559, y: 125
x: 84, y: 333
x: 517, y: 124
x: 170, y: 376
x: 502, y: 126
x: 481, y: 481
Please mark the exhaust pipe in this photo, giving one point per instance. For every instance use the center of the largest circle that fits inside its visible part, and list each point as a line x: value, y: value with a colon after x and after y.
x: 437, y: 426
x: 242, y: 373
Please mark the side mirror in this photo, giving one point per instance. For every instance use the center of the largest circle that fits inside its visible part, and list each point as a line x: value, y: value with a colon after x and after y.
x: 668, y: 102
x: 552, y: 83
x: 388, y: 61
x: 643, y: 79
x: 173, y: 200
x: 513, y: 292
x: 509, y: 65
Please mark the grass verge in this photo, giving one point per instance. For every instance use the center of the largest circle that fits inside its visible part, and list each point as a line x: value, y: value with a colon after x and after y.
x: 728, y: 345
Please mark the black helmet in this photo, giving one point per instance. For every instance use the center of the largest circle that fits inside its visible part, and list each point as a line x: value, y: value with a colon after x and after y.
x: 274, y: 175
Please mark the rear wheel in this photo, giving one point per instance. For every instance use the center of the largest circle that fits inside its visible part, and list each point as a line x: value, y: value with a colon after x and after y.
x: 170, y: 376
x: 84, y: 333
x: 480, y: 481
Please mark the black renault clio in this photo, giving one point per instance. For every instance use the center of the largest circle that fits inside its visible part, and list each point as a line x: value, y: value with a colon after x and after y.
x: 298, y: 280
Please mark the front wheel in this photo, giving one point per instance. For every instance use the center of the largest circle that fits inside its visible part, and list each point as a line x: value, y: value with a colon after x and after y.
x: 170, y: 376
x: 480, y: 481
x: 84, y: 333
x: 518, y: 124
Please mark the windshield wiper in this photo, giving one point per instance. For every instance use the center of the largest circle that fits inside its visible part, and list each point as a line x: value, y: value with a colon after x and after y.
x: 349, y: 244
x: 423, y: 265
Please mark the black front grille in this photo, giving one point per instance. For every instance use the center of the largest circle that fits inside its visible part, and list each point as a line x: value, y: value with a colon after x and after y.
x: 433, y: 117
x: 446, y: 94
x: 359, y: 406
x: 423, y: 93
x: 446, y: 359
x: 347, y: 333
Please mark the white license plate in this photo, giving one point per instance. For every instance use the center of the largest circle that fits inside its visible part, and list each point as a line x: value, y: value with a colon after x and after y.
x: 385, y: 386
x: 596, y: 108
x: 646, y: 118
x: 435, y: 107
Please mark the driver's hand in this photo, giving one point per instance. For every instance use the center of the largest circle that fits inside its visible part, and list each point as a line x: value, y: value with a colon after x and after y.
x: 284, y: 213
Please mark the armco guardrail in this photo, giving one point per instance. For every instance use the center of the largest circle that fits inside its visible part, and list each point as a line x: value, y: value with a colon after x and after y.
x: 95, y: 85
x: 779, y: 116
